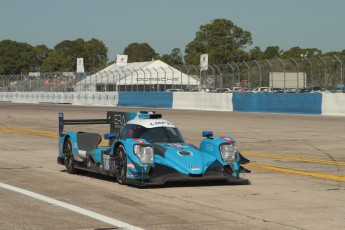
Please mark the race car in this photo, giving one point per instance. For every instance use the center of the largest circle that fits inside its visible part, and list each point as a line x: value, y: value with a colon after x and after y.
x: 144, y: 149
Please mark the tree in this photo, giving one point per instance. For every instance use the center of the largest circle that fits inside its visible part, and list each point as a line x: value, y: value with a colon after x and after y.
x: 272, y: 52
x: 65, y: 54
x: 256, y: 53
x: 40, y: 53
x: 140, y: 52
x: 96, y: 57
x: 221, y: 39
x: 174, y: 58
x: 299, y: 52
x: 14, y: 57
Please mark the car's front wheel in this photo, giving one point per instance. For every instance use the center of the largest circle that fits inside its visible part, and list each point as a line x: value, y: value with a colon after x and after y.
x: 120, y: 164
x: 68, y: 156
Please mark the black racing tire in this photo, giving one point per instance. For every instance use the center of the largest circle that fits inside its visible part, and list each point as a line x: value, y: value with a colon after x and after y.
x: 68, y: 156
x: 120, y: 164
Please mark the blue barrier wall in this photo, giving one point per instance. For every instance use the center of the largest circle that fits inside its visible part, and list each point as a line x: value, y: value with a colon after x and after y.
x: 146, y: 99
x: 304, y: 103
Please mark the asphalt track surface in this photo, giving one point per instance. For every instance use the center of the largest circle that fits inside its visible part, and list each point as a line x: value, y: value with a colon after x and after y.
x: 297, y: 179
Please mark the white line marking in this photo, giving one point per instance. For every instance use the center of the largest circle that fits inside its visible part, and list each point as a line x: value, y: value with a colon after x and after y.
x: 73, y: 208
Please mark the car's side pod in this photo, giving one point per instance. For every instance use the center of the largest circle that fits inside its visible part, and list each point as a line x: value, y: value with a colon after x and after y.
x: 208, y: 134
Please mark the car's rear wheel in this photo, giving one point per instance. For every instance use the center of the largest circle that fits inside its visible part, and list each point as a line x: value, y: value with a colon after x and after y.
x: 120, y: 164
x: 68, y: 156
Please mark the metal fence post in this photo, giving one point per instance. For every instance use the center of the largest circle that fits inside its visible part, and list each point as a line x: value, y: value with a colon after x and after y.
x: 325, y: 71
x: 271, y: 67
x: 165, y: 77
x: 107, y: 82
x: 131, y: 79
x: 150, y: 78
x: 196, y: 71
x: 260, y: 71
x: 341, y: 73
x: 173, y: 76
x: 137, y: 78
x: 284, y: 73
x: 125, y: 77
x: 311, y: 73
x: 118, y: 81
x: 157, y: 78
x: 296, y: 64
x: 238, y: 74
x: 249, y: 83
x: 113, y: 75
x: 233, y: 74
x: 144, y: 79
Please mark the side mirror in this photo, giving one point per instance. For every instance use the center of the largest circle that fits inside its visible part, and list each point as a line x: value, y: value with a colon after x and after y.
x: 108, y: 136
x: 208, y: 134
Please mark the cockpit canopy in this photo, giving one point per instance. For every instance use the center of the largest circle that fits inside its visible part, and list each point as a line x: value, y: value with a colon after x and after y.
x: 165, y: 134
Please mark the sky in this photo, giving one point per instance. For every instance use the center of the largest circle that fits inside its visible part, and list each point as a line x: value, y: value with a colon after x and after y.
x: 169, y: 24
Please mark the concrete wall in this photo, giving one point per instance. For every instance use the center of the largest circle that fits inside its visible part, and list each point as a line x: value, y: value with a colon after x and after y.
x: 296, y: 103
x: 333, y: 104
x: 203, y: 101
x: 77, y: 98
x: 146, y: 99
x: 304, y: 103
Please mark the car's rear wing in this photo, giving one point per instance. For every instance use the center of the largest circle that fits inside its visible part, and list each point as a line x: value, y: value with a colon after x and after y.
x: 114, y: 118
x: 63, y: 122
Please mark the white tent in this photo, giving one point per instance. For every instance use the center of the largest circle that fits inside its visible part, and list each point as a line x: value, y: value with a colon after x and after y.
x: 138, y: 76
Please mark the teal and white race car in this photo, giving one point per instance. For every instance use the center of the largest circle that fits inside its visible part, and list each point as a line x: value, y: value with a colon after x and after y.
x: 144, y: 149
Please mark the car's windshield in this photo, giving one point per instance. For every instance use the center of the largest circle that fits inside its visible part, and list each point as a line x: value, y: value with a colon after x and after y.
x: 158, y: 134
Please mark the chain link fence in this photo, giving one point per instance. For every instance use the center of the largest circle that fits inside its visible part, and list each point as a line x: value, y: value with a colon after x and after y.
x: 321, y: 73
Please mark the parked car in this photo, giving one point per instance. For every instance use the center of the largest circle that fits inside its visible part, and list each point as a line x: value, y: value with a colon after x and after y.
x: 310, y: 88
x: 174, y: 90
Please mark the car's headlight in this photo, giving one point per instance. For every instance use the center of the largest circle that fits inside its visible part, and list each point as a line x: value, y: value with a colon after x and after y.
x: 145, y: 153
x: 228, y: 152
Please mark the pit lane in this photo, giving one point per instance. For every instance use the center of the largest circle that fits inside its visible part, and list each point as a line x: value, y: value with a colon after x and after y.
x: 274, y: 200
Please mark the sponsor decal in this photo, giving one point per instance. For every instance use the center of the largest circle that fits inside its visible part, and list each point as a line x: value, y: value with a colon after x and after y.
x: 106, y: 162
x: 155, y: 123
x: 139, y: 141
x: 194, y: 168
x: 227, y: 139
x: 176, y: 146
x: 209, y: 147
x: 131, y: 166
x: 119, y: 120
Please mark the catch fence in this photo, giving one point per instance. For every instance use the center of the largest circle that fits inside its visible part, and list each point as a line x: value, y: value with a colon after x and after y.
x: 325, y: 73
